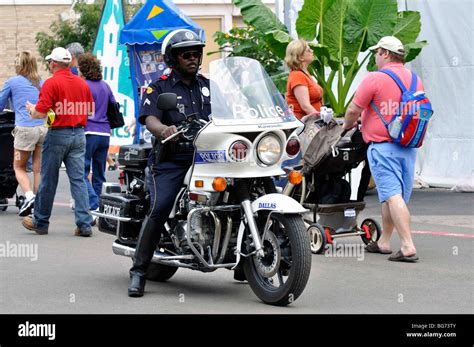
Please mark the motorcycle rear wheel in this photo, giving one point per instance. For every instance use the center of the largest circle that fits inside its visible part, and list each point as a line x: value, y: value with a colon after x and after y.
x: 294, y: 265
x: 160, y: 272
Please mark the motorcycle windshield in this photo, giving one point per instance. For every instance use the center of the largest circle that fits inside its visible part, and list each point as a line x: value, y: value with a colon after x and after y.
x: 243, y: 93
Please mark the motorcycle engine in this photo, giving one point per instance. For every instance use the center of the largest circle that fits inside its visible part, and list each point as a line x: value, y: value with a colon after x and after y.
x: 202, y: 229
x: 202, y: 226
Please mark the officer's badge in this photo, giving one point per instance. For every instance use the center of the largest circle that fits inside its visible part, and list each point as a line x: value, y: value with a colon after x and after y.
x: 205, y: 91
x: 149, y: 90
x: 188, y: 35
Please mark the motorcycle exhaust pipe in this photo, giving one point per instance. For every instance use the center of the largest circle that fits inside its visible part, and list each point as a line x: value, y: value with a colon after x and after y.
x: 226, y: 240
x: 158, y: 256
x: 217, y: 235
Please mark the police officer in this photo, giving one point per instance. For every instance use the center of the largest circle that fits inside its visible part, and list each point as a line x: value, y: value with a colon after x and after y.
x: 182, y: 50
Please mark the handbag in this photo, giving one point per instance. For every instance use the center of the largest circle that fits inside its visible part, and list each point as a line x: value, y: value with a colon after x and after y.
x: 114, y: 116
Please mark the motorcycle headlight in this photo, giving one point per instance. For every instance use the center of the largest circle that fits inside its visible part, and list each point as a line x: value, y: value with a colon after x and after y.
x: 269, y: 150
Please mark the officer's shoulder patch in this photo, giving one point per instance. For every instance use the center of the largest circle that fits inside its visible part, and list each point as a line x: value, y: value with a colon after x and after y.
x: 203, y: 77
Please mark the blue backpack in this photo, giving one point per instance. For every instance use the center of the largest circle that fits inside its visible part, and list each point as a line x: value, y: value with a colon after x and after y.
x: 408, y: 126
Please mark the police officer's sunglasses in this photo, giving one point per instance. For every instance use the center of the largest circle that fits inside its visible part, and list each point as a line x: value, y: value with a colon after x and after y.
x: 190, y: 54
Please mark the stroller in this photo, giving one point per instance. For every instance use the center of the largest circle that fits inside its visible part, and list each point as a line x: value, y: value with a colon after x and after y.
x: 331, y: 154
x: 8, y: 182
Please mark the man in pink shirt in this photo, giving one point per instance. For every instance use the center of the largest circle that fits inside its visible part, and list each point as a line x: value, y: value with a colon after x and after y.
x: 392, y: 165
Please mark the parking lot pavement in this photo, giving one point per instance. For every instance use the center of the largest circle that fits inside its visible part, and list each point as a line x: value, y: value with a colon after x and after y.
x: 69, y: 274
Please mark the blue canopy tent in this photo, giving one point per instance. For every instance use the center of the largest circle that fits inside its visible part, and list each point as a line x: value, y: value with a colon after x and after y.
x: 143, y: 35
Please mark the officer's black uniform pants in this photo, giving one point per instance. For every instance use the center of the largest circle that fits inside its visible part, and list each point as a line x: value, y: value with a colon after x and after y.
x: 164, y: 182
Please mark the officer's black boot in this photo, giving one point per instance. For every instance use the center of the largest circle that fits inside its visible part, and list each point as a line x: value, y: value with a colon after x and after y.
x: 136, y: 288
x: 148, y: 240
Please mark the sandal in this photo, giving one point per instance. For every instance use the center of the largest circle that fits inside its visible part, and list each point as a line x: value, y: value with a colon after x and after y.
x: 373, y: 247
x: 404, y: 258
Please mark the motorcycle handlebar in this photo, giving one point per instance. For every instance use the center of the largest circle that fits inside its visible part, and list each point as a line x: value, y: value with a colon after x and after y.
x: 185, y: 127
x: 182, y: 130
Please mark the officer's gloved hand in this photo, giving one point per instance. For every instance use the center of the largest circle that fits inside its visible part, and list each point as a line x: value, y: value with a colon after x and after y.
x: 168, y: 131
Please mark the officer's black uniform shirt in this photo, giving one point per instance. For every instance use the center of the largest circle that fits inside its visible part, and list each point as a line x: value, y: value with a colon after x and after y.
x: 194, y: 99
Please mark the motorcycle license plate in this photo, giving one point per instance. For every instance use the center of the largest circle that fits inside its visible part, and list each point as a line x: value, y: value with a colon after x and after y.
x: 350, y: 212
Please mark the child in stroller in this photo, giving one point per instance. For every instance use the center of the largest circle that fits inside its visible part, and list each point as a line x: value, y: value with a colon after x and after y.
x: 329, y: 157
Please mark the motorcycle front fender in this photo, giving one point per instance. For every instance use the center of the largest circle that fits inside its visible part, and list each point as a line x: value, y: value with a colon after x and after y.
x: 278, y: 203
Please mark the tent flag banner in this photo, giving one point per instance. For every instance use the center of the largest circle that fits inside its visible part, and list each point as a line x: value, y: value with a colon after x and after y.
x: 115, y: 66
x: 148, y: 64
x: 143, y: 35
x: 153, y: 21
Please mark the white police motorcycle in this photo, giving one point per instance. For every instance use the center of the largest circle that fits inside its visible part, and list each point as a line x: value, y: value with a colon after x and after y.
x: 228, y: 211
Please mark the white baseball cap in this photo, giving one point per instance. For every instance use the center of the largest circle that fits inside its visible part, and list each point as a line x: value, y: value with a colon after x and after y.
x: 60, y: 54
x: 390, y: 43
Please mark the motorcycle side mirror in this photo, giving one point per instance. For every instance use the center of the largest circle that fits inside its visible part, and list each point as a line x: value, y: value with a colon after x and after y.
x: 167, y: 101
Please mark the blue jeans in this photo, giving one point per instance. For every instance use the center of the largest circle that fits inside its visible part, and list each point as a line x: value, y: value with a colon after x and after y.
x: 97, y: 147
x: 68, y: 146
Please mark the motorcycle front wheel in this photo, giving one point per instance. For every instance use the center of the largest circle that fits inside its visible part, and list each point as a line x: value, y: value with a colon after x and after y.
x: 280, y: 276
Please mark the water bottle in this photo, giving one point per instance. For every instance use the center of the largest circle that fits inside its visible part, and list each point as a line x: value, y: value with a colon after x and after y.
x: 395, y: 127
x: 328, y: 115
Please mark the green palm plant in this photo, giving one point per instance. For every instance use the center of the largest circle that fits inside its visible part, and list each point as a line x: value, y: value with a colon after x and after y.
x: 343, y: 29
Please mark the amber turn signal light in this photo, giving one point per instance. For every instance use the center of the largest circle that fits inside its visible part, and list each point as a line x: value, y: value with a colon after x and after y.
x: 219, y: 184
x: 295, y: 177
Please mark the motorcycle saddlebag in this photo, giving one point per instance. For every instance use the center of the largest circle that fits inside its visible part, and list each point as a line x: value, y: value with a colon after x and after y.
x: 122, y: 205
x: 134, y: 155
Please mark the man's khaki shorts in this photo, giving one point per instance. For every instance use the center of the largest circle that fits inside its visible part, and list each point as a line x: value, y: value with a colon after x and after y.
x: 27, y: 138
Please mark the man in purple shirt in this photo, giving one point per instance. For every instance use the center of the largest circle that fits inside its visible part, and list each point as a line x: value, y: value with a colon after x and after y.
x: 97, y: 130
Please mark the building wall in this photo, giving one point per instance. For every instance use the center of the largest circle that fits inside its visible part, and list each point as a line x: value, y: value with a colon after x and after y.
x: 20, y: 20
x: 18, y: 28
x: 212, y: 16
x: 210, y: 26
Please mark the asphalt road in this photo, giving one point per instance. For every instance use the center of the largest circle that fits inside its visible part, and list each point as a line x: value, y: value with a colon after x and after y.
x: 81, y: 275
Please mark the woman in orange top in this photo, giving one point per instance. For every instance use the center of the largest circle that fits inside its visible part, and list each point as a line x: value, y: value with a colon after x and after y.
x: 303, y: 94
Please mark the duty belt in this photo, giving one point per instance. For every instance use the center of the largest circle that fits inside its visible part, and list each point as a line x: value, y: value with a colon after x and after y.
x: 181, y: 147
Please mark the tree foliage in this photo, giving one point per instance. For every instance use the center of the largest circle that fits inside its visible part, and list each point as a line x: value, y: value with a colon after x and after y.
x: 343, y: 29
x: 82, y: 28
x: 248, y: 42
x: 251, y: 43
